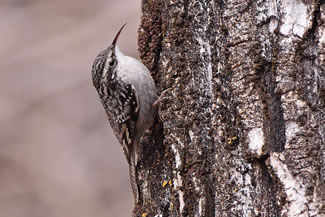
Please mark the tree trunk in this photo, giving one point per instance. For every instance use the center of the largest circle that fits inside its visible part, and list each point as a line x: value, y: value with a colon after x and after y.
x: 242, y: 131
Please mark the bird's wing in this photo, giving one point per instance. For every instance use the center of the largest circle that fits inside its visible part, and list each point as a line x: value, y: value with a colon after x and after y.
x: 126, y: 116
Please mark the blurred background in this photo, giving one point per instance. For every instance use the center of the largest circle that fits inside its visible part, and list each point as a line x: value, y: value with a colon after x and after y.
x: 58, y: 156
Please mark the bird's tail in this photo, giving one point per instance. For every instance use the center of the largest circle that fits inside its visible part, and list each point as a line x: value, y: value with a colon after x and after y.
x: 133, y: 177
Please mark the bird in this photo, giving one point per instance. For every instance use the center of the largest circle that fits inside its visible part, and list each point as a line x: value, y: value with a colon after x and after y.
x: 127, y: 92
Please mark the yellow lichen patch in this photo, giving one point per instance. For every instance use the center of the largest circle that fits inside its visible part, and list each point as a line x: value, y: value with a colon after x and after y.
x: 164, y: 183
x: 232, y: 139
x: 144, y: 214
x: 170, y: 183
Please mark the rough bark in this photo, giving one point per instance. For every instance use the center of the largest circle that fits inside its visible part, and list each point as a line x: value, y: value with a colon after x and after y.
x: 242, y: 132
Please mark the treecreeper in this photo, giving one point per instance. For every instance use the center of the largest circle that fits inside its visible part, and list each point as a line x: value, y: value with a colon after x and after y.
x: 127, y: 91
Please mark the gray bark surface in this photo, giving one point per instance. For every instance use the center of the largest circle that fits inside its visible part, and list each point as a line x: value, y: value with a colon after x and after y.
x: 242, y: 132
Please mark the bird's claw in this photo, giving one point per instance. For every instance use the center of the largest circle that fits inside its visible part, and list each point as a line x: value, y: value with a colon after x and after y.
x: 161, y: 98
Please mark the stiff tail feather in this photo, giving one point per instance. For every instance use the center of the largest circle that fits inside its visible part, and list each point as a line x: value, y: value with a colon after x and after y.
x: 132, y: 172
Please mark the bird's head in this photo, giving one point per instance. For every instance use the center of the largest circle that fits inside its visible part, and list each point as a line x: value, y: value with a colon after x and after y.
x: 105, y: 64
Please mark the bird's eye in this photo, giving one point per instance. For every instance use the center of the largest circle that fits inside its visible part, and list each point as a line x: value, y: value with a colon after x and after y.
x: 112, y: 63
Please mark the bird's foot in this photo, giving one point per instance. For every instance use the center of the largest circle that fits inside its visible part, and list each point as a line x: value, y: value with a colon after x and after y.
x: 161, y: 98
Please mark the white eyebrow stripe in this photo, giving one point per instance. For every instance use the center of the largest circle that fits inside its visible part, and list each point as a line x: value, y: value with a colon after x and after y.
x: 106, y: 66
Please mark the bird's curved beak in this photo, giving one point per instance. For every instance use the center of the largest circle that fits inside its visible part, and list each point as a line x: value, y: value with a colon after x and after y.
x: 116, y: 37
